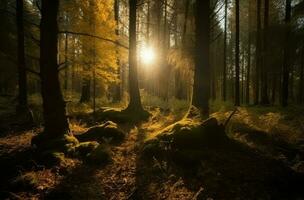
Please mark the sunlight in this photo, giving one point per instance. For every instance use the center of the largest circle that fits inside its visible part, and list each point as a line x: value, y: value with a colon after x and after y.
x: 147, y: 55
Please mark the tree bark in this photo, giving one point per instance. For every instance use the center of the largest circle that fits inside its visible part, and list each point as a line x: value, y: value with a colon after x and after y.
x: 135, y: 102
x: 224, y: 97
x: 201, y: 87
x: 117, y: 87
x: 264, y: 97
x: 301, y: 84
x: 258, y: 54
x: 66, y: 69
x: 248, y: 78
x: 22, y: 78
x: 286, y: 62
x: 237, y: 53
x: 55, y: 121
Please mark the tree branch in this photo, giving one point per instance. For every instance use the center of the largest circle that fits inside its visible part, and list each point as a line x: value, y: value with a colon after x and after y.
x: 94, y: 36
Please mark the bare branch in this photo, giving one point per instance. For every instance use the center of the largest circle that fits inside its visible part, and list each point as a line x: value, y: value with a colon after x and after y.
x: 94, y: 36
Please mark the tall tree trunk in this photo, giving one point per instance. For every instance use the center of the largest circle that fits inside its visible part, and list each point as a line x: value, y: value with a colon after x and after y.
x: 22, y: 79
x: 258, y: 54
x: 224, y: 94
x: 248, y: 78
x: 117, y: 87
x: 185, y: 23
x: 301, y: 84
x: 274, y: 88
x: 135, y: 102
x: 55, y: 121
x: 66, y: 69
x: 237, y: 53
x: 286, y: 62
x: 264, y: 97
x: 201, y: 87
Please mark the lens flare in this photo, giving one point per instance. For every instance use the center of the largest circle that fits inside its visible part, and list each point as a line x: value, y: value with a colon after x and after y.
x: 147, y: 55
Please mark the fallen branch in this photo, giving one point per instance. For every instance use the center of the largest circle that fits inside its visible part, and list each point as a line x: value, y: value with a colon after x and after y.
x: 198, y: 193
x: 229, y: 118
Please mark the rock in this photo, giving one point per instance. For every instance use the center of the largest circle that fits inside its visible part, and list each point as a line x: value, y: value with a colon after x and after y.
x: 105, y: 132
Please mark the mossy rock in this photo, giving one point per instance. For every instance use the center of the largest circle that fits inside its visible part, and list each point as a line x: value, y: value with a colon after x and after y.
x: 108, y: 131
x: 188, y: 134
x: 83, y: 149
x: 122, y: 116
x: 185, y: 136
x: 62, y: 143
x: 99, y: 156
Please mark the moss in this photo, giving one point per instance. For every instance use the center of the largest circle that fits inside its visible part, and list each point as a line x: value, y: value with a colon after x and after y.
x: 100, y: 155
x: 122, y: 116
x: 64, y: 143
x: 186, y: 136
x: 85, y: 148
x: 105, y: 132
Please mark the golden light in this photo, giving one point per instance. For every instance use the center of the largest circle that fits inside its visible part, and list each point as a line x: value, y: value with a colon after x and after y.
x: 147, y: 55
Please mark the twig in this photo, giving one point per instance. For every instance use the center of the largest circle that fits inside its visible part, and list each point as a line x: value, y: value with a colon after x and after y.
x: 197, y: 193
x: 229, y: 118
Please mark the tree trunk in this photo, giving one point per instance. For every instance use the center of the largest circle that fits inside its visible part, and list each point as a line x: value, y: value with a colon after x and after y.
x: 22, y: 79
x: 258, y: 54
x: 117, y: 87
x: 135, y: 102
x: 286, y: 62
x: 224, y: 97
x: 55, y: 121
x: 66, y: 65
x: 301, y: 84
x: 237, y: 53
x: 201, y: 87
x: 264, y: 97
x: 86, y: 90
x: 248, y: 78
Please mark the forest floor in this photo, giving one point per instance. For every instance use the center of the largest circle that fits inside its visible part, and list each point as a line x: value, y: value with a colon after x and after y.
x: 273, y: 171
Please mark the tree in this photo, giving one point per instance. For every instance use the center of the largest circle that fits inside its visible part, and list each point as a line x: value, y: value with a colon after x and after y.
x: 117, y: 87
x: 55, y: 120
x: 264, y: 97
x: 135, y: 102
x: 201, y: 86
x: 258, y: 54
x: 237, y: 53
x: 247, y: 98
x: 286, y: 62
x: 224, y: 97
x: 22, y: 79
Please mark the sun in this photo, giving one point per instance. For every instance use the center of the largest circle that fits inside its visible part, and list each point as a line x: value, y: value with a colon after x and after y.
x: 147, y: 55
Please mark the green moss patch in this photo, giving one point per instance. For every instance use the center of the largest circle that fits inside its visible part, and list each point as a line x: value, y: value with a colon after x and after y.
x: 108, y: 131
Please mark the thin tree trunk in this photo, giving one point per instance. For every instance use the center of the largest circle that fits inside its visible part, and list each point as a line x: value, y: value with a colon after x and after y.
x: 286, y: 62
x: 237, y: 53
x: 22, y: 79
x: 301, y: 85
x: 185, y: 23
x: 66, y: 70
x: 117, y: 87
x: 135, y: 102
x: 224, y: 97
x: 258, y: 54
x: 55, y: 121
x: 249, y: 56
x: 201, y: 87
x: 264, y: 97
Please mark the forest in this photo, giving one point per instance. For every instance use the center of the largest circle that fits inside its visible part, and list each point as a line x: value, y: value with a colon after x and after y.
x: 151, y: 99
